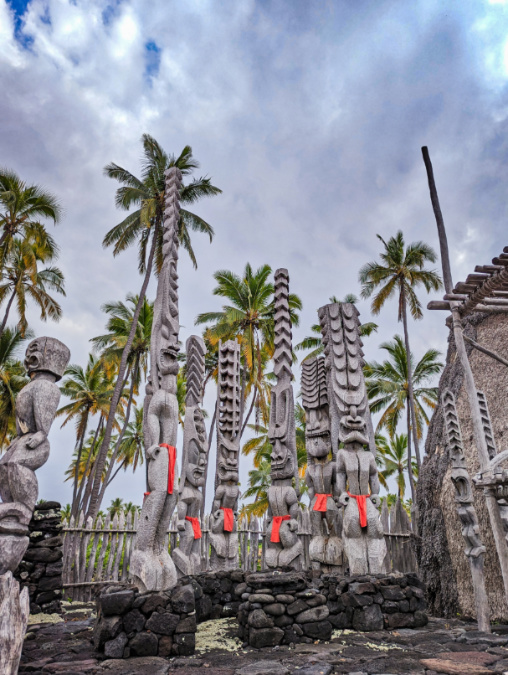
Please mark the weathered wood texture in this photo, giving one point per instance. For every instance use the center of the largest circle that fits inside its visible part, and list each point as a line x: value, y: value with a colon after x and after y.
x: 442, y: 563
x: 14, y: 611
x: 102, y: 552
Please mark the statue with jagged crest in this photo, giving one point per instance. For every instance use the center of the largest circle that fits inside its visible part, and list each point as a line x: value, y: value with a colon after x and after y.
x: 151, y: 566
x: 326, y: 549
x: 224, y: 516
x: 357, y: 475
x: 187, y: 556
x: 283, y: 547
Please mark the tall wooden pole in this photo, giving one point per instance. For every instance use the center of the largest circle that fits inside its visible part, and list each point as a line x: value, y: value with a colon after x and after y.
x: 479, y: 435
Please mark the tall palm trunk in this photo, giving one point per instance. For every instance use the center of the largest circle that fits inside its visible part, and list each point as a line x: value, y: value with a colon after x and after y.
x: 101, y: 459
x: 410, y: 379
x: 80, y: 450
x: 108, y: 479
x: 409, y: 462
x: 79, y: 503
x: 8, y: 309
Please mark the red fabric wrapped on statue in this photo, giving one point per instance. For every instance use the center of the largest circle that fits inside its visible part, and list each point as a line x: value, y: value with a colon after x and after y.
x: 171, y: 466
x: 320, y: 503
x: 361, y: 501
x: 145, y: 495
x: 276, y: 523
x: 229, y: 519
x: 196, y: 527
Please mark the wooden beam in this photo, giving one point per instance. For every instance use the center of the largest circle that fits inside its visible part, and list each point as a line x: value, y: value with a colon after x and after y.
x: 486, y: 351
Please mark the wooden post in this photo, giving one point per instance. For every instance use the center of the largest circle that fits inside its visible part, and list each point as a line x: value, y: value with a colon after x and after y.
x: 479, y: 436
x: 14, y: 611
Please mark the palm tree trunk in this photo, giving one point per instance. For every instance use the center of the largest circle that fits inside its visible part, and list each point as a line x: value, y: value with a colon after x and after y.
x: 410, y: 379
x: 79, y: 505
x: 101, y: 459
x: 409, y: 458
x: 80, y: 450
x: 107, y: 480
x: 249, y: 413
x: 8, y: 309
x: 93, y: 471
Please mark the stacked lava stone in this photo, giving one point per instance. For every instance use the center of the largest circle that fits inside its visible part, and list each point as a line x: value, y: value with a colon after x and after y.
x: 290, y: 607
x: 160, y: 623
x: 41, y: 567
x: 216, y: 593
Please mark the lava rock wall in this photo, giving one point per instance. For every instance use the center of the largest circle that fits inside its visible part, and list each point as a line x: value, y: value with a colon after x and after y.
x: 42, y: 567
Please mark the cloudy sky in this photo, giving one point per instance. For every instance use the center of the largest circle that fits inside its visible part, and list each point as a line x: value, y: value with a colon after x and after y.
x: 309, y: 115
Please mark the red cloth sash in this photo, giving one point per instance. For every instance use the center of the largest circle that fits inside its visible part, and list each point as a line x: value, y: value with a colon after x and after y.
x: 229, y: 519
x: 276, y: 523
x: 145, y: 495
x: 171, y: 466
x: 320, y: 503
x: 361, y: 501
x: 196, y: 527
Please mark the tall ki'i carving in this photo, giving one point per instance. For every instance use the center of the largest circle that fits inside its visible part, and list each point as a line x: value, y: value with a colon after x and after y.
x: 326, y: 549
x: 224, y: 517
x: 283, y: 546
x: 187, y: 556
x: 473, y: 546
x: 151, y: 566
x: 357, y: 476
x: 36, y: 405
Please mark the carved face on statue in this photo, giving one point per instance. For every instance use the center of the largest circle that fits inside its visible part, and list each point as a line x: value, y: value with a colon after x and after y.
x: 352, y: 427
x: 282, y: 461
x: 168, y: 361
x: 48, y: 355
x: 317, y: 434
x: 228, y: 460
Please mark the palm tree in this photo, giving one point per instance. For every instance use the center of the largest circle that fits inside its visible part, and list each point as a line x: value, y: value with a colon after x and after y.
x: 249, y: 319
x: 22, y: 207
x: 259, y: 482
x: 401, y: 270
x: 13, y: 378
x: 90, y: 391
x: 21, y: 278
x: 148, y: 194
x: 65, y: 512
x: 116, y: 507
x: 388, y: 389
x: 132, y: 444
x: 315, y: 342
x: 392, y: 460
x: 146, y: 222
x: 111, y: 344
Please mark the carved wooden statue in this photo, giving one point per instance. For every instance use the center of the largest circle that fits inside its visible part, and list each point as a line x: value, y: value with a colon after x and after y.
x: 357, y: 476
x: 474, y: 548
x: 187, y: 556
x: 151, y: 566
x: 283, y: 547
x: 36, y: 405
x: 321, y: 477
x: 224, y: 516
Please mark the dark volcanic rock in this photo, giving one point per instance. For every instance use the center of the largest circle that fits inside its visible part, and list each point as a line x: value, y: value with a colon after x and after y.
x: 144, y: 644
x: 113, y: 649
x: 368, y: 619
x: 164, y: 623
x: 117, y: 602
x: 265, y: 637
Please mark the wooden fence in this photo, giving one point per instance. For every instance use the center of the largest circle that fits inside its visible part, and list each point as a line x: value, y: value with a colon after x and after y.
x: 99, y: 553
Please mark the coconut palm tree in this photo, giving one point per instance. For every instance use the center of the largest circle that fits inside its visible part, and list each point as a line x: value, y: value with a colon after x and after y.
x: 259, y: 482
x: 90, y: 392
x: 13, y: 378
x: 314, y: 341
x: 147, y: 193
x: 111, y: 344
x: 22, y: 280
x: 132, y: 444
x: 249, y: 319
x: 22, y: 207
x: 400, y: 272
x: 116, y: 507
x: 388, y: 389
x: 392, y: 460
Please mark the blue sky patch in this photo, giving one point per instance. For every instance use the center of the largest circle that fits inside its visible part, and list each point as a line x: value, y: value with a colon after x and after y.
x: 152, y: 59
